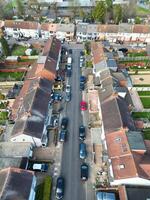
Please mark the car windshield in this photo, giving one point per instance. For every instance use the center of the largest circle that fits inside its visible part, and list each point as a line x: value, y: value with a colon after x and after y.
x: 59, y: 190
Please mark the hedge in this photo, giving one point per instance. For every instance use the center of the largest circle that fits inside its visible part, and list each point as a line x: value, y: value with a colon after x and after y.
x: 43, y: 191
x: 47, y: 188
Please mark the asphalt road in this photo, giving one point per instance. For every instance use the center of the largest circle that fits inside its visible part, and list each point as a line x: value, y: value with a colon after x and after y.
x: 70, y: 166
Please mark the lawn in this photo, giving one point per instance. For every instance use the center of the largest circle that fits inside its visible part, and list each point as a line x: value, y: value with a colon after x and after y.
x: 142, y: 85
x: 144, y: 93
x: 11, y: 76
x: 3, y: 115
x: 43, y: 191
x: 145, y: 101
x: 18, y: 50
x: 142, y: 11
x: 146, y: 133
x: 140, y: 115
x: 136, y: 54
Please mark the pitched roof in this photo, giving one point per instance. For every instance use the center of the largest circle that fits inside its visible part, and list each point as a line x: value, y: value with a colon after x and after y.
x: 108, y: 28
x: 135, y: 140
x: 117, y: 144
x: 111, y: 115
x: 8, y: 149
x: 130, y: 192
x: 31, y: 125
x: 97, y: 52
x: 15, y: 184
x: 52, y: 48
x: 82, y: 27
x: 125, y: 114
x: 66, y: 27
x: 49, y: 27
x: 140, y: 28
x: 92, y: 28
x: 21, y: 24
x: 125, y: 28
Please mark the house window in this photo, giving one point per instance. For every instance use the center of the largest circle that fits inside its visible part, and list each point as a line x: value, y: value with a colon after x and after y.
x: 118, y: 139
x: 122, y: 166
x: 23, y: 140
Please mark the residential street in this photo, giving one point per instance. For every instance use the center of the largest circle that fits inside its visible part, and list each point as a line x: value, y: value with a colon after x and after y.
x: 70, y: 167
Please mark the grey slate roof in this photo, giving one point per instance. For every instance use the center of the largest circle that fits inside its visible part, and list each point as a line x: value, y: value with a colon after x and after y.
x: 29, y: 125
x: 125, y: 114
x: 111, y: 63
x: 135, y: 140
x: 125, y: 28
x: 82, y: 28
x: 10, y: 150
x: 15, y: 184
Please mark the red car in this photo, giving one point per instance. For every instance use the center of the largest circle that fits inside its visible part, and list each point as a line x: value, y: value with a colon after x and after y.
x: 83, y: 105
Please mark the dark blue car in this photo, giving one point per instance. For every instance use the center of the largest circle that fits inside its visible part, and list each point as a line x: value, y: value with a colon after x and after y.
x: 60, y: 186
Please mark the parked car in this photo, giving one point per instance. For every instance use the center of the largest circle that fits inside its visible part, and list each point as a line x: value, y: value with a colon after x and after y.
x: 70, y: 51
x: 69, y: 73
x: 82, y: 79
x: 81, y: 59
x: 124, y: 50
x: 60, y: 186
x: 82, y: 86
x: 68, y: 96
x: 54, y: 121
x: 68, y: 88
x: 62, y: 135
x: 84, y: 172
x: 82, y: 132
x: 82, y: 150
x: 64, y: 123
x: 81, y: 53
x: 83, y: 106
x: 42, y: 167
x: 56, y: 96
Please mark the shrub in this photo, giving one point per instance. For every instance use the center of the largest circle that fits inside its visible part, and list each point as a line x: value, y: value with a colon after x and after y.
x: 47, y: 188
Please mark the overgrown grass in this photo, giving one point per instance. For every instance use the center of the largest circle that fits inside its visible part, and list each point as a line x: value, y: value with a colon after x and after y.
x: 145, y: 101
x: 18, y: 50
x: 144, y: 93
x: 11, y: 76
x: 43, y: 191
x: 140, y: 115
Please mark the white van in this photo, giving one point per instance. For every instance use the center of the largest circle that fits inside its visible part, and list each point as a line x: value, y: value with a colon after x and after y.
x: 69, y: 61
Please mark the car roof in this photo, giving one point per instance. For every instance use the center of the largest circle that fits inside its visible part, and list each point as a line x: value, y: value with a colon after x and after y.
x: 83, y: 102
x: 37, y: 166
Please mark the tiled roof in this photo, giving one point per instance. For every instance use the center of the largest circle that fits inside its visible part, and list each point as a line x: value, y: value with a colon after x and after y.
x: 117, y: 144
x: 124, y: 167
x: 125, y: 28
x: 111, y: 115
x: 108, y: 28
x: 15, y: 184
x: 21, y: 24
x: 52, y: 48
x: 82, y: 28
x: 49, y: 27
x: 139, y: 28
x: 97, y: 52
x: 66, y: 27
x: 31, y: 125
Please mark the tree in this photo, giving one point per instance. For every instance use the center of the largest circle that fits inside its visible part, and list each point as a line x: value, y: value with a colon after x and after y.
x: 109, y: 7
x: 137, y: 20
x: 82, y: 14
x: 99, y: 12
x: 74, y: 5
x: 117, y: 13
x: 5, y: 46
x: 20, y: 7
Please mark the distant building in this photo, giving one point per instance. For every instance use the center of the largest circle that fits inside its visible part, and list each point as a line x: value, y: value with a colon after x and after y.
x: 121, y: 1
x: 18, y: 29
x: 16, y: 184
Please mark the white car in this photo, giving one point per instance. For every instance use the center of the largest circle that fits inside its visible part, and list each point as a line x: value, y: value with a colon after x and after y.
x: 68, y: 88
x: 40, y: 167
x: 81, y: 58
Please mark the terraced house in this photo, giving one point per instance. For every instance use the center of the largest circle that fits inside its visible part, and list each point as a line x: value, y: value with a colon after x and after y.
x: 30, y: 115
